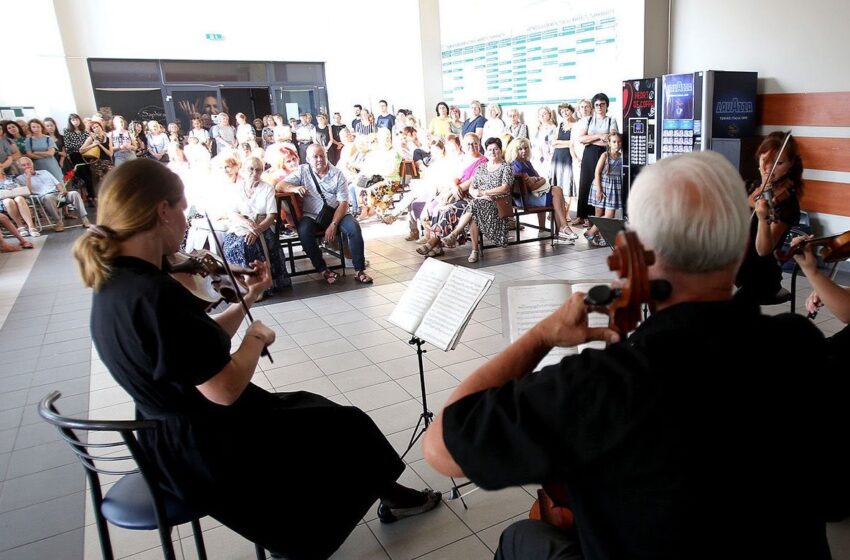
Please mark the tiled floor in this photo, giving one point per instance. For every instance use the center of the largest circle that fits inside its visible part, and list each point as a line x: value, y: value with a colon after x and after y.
x: 334, y: 341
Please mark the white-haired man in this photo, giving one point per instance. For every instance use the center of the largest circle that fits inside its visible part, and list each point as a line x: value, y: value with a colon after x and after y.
x: 701, y: 435
x: 50, y: 192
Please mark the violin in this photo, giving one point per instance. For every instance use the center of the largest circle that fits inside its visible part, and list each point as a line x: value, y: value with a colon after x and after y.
x: 623, y: 303
x: 834, y: 248
x: 204, y: 275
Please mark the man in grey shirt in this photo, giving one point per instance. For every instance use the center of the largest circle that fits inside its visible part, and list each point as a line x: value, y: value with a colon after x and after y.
x: 333, y: 188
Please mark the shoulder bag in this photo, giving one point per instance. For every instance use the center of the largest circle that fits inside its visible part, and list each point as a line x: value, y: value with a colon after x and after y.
x: 326, y: 214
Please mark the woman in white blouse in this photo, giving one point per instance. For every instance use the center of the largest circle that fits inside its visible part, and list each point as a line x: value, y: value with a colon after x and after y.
x: 593, y: 135
x: 495, y: 126
x: 157, y: 142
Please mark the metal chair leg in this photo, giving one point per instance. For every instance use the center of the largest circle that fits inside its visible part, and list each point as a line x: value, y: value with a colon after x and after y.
x: 198, y: 535
x: 261, y: 552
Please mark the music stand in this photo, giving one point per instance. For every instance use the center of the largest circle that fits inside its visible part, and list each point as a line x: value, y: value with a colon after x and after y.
x: 427, y: 416
x: 608, y: 228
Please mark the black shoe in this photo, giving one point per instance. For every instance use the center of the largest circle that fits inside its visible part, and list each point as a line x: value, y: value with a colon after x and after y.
x: 390, y: 515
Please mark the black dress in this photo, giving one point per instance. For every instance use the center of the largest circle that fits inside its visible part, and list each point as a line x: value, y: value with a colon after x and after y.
x: 562, y: 164
x: 266, y: 452
x: 333, y: 153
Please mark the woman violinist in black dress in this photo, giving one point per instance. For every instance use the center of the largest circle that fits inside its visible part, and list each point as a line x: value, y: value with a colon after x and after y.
x: 224, y: 443
x: 760, y: 276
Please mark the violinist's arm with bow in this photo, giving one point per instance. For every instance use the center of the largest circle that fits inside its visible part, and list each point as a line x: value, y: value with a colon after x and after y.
x: 567, y: 326
x: 825, y: 292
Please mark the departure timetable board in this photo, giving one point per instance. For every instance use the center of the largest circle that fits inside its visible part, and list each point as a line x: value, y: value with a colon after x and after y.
x: 543, y: 64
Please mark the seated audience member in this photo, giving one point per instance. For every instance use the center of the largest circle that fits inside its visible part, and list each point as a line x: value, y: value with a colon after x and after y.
x: 7, y: 223
x: 287, y: 164
x: 224, y: 135
x: 323, y: 184
x: 456, y: 120
x: 826, y: 293
x: 383, y: 161
x: 223, y: 442
x: 282, y: 139
x: 519, y: 152
x: 200, y: 134
x: 197, y: 154
x: 50, y: 192
x: 495, y: 179
x: 665, y: 447
x: 157, y: 142
x: 251, y: 235
x: 16, y: 207
x: 440, y: 126
x: 440, y: 214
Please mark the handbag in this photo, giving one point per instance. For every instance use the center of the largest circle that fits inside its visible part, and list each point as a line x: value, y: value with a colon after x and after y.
x: 326, y: 214
x: 92, y: 153
x: 505, y: 206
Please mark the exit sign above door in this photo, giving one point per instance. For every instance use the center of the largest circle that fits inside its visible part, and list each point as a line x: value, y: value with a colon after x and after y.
x: 214, y: 36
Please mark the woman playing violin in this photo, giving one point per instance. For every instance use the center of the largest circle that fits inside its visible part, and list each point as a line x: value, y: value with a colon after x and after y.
x: 264, y: 464
x: 759, y: 279
x: 668, y: 449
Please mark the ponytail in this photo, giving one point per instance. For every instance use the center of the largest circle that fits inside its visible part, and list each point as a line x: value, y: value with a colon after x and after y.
x: 128, y: 202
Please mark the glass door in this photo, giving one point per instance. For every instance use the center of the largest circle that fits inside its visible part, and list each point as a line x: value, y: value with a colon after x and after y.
x: 254, y: 102
x: 291, y: 101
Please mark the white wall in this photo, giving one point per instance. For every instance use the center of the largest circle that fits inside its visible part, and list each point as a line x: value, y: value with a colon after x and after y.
x: 795, y: 46
x: 362, y: 63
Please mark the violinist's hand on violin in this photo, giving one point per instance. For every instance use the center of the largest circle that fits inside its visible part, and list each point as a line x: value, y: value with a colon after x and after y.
x: 567, y: 326
x: 762, y: 209
x: 813, y: 303
x: 258, y: 283
x: 806, y: 259
x: 259, y: 330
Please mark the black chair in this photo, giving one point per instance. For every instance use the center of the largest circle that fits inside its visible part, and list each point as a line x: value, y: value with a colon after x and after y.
x: 135, y: 501
x: 288, y: 244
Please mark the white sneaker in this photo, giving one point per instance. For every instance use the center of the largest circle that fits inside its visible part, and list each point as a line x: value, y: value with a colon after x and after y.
x: 34, y: 233
x: 24, y: 231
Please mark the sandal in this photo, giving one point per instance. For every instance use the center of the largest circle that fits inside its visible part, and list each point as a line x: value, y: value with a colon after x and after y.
x: 424, y: 250
x: 436, y: 252
x: 389, y: 219
x: 450, y: 241
x: 473, y: 256
x: 412, y: 236
x: 330, y: 276
x: 362, y: 277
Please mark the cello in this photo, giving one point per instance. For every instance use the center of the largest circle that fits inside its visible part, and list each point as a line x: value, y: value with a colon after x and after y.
x: 623, y: 303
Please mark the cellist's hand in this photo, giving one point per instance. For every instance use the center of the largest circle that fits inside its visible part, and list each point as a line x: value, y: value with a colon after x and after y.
x: 567, y: 326
x: 813, y: 303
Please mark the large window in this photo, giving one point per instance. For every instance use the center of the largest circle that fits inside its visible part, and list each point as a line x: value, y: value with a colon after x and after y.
x: 214, y: 72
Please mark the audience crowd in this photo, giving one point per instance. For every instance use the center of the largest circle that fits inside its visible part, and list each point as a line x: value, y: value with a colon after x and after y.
x: 324, y: 178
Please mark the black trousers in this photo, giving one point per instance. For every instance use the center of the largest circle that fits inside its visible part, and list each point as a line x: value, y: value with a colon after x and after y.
x: 589, y: 160
x: 530, y: 539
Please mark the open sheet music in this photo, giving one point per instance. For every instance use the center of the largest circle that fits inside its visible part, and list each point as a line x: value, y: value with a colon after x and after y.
x: 526, y: 303
x: 439, y: 302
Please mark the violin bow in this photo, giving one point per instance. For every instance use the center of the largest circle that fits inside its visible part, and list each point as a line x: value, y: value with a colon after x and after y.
x: 232, y: 277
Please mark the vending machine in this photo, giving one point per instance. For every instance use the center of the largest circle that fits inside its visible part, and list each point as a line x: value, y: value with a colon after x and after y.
x: 641, y: 143
x: 702, y: 106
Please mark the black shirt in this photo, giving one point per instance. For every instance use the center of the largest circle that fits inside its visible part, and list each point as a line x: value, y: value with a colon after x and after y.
x: 694, y: 438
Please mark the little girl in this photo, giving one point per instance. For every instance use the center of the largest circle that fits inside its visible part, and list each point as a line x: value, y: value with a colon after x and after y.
x: 609, y: 181
x: 175, y: 134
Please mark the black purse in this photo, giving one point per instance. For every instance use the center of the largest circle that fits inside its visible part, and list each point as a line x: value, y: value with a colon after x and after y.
x: 326, y: 214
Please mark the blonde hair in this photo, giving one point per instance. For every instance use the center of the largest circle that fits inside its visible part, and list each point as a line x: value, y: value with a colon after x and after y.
x: 513, y: 148
x: 127, y: 205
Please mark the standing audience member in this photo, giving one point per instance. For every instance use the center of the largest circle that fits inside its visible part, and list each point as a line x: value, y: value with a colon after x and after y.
x: 475, y: 123
x: 61, y: 155
x: 593, y: 133
x: 322, y: 133
x: 455, y: 120
x: 440, y: 126
x: 542, y: 149
x: 358, y: 109
x: 385, y: 119
x: 244, y: 129
x: 585, y: 110
x: 517, y: 128
x: 495, y: 126
x: 336, y: 140
x: 98, y: 151
x: 15, y: 133
x: 9, y: 153
x: 41, y: 148
x: 562, y: 160
x: 304, y: 134
x: 224, y: 135
x: 609, y: 182
x: 199, y: 132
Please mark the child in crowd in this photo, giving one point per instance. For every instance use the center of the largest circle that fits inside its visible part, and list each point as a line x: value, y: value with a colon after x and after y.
x: 609, y: 181
x: 174, y: 133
